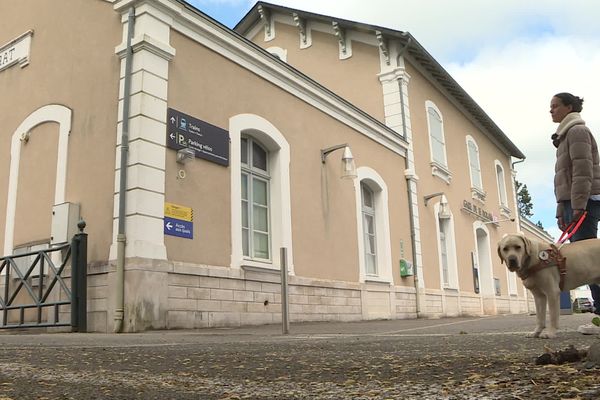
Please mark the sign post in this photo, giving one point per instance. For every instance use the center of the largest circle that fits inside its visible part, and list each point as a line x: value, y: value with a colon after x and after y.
x: 285, y: 322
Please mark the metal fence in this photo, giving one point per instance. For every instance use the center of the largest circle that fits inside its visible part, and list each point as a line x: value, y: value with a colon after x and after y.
x: 37, y: 295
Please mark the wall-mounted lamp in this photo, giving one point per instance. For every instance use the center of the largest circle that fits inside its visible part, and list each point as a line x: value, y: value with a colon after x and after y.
x: 184, y: 155
x: 444, y: 212
x: 348, y: 167
x: 496, y: 222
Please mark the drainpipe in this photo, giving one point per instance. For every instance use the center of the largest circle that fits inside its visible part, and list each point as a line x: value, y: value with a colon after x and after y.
x: 413, y: 234
x: 516, y: 198
x: 121, y: 238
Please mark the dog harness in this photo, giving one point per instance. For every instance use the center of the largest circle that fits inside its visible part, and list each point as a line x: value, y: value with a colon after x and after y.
x: 548, y: 258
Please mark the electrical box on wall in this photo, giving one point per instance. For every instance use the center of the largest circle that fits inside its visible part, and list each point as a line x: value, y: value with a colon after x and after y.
x: 65, y: 217
x: 406, y: 268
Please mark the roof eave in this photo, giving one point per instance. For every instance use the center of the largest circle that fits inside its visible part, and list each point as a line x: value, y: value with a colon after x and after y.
x: 420, y: 54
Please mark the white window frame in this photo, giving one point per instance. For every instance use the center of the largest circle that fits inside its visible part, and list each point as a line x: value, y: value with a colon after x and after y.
x: 502, y: 192
x: 451, y: 258
x: 439, y: 169
x: 369, y: 212
x: 376, y: 183
x: 251, y: 174
x: 477, y: 191
x: 48, y: 113
x: 280, y: 214
x: 278, y: 52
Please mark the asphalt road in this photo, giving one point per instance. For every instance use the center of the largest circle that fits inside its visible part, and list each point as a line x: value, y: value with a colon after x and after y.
x: 452, y: 358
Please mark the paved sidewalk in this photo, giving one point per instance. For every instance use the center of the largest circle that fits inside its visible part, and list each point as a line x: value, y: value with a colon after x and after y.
x: 503, y: 324
x: 450, y: 358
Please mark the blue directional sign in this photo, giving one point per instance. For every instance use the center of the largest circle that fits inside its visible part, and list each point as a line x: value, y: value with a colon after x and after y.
x: 208, y: 141
x: 179, y: 228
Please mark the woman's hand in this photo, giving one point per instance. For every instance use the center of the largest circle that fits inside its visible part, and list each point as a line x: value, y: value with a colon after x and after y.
x: 561, y: 223
x: 577, y: 214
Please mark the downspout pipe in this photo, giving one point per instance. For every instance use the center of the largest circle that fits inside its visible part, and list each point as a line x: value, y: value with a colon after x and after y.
x: 413, y: 234
x: 516, y: 198
x: 121, y: 238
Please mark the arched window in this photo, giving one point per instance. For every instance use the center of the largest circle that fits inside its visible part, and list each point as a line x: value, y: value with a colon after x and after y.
x: 501, y: 185
x: 278, y: 52
x: 475, y: 169
x: 49, y: 113
x: 437, y: 142
x: 369, y: 232
x: 260, y: 194
x: 255, y: 180
x: 447, y: 249
x: 372, y: 217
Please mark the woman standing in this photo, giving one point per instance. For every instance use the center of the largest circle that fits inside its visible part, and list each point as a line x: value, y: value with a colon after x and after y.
x: 577, y: 177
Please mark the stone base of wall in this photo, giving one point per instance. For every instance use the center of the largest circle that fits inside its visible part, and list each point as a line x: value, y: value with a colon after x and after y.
x: 198, y: 296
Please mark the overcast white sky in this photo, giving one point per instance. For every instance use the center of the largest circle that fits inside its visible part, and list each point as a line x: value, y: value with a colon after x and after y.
x: 511, y: 56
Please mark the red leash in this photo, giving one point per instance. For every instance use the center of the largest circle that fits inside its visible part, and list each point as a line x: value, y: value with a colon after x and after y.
x: 571, y: 229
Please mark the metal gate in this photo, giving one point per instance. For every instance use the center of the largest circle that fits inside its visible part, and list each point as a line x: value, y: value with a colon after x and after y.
x: 35, y: 296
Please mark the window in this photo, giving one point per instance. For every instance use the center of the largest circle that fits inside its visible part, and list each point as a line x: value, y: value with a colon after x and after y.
x: 437, y: 143
x: 447, y: 250
x: 278, y: 52
x: 502, y: 197
x: 370, y: 239
x: 261, y: 221
x: 255, y: 199
x: 444, y: 254
x: 373, y: 228
x: 501, y: 185
x: 475, y: 170
x: 438, y: 147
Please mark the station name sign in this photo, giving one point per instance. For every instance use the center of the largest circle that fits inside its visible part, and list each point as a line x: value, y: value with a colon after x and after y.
x: 16, y: 51
x: 208, y: 141
x: 478, y: 211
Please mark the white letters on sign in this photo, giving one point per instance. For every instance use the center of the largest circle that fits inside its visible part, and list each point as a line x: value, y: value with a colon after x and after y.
x: 16, y: 51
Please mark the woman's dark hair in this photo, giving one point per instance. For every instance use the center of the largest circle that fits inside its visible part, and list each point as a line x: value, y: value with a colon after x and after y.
x: 569, y: 100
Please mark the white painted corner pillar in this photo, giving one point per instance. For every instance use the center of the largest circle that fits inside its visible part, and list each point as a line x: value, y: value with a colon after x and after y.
x: 147, y: 131
x: 394, y: 84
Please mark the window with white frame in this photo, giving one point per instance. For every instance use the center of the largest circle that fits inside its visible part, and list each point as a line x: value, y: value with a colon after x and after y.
x: 372, y: 217
x: 278, y: 52
x: 369, y: 232
x: 501, y: 184
x: 502, y: 197
x: 447, y: 252
x: 437, y: 143
x: 255, y: 178
x: 444, y: 254
x: 475, y: 169
x: 260, y: 194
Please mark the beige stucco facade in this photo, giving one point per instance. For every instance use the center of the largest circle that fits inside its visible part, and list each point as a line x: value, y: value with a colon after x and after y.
x: 61, y: 136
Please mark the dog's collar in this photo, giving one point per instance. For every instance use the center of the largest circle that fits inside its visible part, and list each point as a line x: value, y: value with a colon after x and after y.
x: 548, y: 258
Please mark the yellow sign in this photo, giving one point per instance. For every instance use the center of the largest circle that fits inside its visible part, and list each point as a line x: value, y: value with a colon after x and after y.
x: 179, y: 212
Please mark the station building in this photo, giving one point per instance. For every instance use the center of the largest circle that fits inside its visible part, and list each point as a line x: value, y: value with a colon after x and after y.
x: 345, y: 144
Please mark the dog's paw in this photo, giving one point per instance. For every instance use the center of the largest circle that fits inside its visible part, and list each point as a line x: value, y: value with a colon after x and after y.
x: 548, y: 335
x: 533, y: 334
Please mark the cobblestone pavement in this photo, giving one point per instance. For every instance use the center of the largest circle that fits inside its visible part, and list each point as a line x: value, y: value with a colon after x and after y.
x: 455, y: 358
